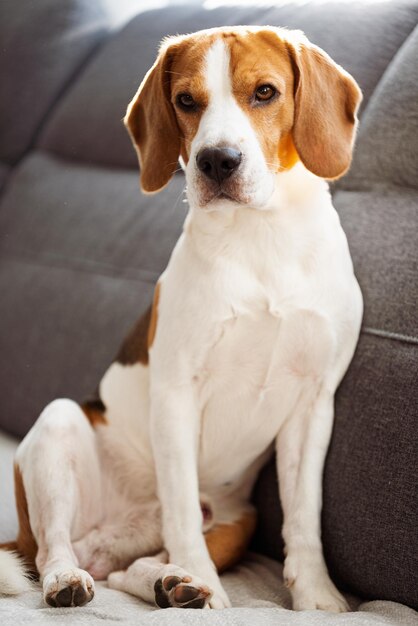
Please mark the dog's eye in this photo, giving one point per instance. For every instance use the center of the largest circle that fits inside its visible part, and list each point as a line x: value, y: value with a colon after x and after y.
x: 264, y: 93
x: 186, y: 102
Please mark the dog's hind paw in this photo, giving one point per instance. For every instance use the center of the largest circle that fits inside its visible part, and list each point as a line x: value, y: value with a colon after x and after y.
x: 182, y: 591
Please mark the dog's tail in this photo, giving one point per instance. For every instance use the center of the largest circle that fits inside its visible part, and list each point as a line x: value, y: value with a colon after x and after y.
x: 14, y: 577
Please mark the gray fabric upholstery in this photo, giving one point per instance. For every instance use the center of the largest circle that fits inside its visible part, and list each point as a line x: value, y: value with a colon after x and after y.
x: 4, y: 172
x: 370, y: 482
x: 380, y: 225
x: 96, y: 219
x: 80, y: 250
x: 61, y: 35
x: 111, y: 79
x: 387, y: 145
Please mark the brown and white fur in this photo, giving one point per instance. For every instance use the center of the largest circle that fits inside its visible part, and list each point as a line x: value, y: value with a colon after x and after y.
x: 253, y: 325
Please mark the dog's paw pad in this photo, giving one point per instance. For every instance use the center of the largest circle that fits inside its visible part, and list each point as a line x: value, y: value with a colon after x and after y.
x: 68, y: 589
x: 170, y: 581
x: 176, y: 591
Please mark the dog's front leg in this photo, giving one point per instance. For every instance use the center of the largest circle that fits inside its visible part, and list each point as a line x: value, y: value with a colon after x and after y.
x: 175, y: 427
x: 301, y: 447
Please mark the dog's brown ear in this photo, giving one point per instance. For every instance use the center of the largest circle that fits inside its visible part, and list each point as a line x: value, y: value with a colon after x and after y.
x: 326, y: 103
x: 152, y: 125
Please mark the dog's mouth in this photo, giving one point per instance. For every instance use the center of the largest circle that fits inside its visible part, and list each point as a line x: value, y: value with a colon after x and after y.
x: 221, y: 195
x: 224, y: 196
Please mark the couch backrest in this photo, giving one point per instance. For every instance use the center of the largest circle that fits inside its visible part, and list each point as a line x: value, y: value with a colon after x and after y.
x: 43, y: 44
x: 86, y: 124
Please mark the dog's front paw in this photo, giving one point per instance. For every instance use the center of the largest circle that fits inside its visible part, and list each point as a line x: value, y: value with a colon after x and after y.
x: 306, y: 575
x: 71, y: 587
x: 319, y: 593
x: 219, y: 599
x: 181, y: 590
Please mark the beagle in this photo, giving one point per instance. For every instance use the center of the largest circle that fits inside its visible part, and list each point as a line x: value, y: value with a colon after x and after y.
x: 253, y: 325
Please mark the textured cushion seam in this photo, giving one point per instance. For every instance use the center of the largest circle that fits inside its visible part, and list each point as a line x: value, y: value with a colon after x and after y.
x: 386, y: 334
x: 144, y: 275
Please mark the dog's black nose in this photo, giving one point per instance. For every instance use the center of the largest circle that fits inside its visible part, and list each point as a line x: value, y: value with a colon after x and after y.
x: 218, y: 163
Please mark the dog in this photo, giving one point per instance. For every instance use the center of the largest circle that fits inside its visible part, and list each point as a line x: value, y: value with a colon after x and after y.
x: 252, y: 327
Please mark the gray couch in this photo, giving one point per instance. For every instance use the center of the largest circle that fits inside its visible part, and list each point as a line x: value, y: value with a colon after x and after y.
x: 81, y: 249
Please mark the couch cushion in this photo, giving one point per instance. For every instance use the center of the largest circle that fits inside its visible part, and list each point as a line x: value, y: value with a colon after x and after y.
x: 66, y: 214
x: 387, y: 146
x: 371, y: 477
x: 109, y: 82
x: 80, y: 252
x: 43, y: 44
x: 370, y: 506
x: 64, y: 327
x: 384, y: 246
x: 4, y: 173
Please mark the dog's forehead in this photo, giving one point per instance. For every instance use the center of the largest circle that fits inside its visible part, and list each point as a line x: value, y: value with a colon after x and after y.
x: 251, y: 54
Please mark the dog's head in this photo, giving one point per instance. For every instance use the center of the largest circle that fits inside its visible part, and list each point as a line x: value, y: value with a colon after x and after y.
x: 239, y: 105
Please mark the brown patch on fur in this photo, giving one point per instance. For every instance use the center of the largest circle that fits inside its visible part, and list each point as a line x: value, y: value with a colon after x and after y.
x: 135, y: 346
x: 152, y: 125
x: 288, y: 156
x: 9, y: 545
x: 160, y: 131
x: 188, y: 77
x: 227, y: 543
x: 260, y: 58
x: 26, y: 544
x: 152, y: 328
x: 95, y: 411
x: 326, y: 103
x: 314, y: 116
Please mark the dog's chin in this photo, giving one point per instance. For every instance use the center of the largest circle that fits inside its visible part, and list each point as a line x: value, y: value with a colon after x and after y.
x: 222, y: 199
x: 234, y: 193
x: 221, y: 203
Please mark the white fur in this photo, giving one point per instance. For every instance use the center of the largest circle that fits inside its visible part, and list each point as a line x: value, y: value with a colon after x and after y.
x: 258, y: 317
x: 13, y: 578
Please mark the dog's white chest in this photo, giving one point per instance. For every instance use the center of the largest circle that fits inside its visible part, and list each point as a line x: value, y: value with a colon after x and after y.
x: 263, y: 367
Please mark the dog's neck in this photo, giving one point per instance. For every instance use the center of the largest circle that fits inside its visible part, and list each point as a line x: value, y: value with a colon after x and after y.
x: 293, y: 212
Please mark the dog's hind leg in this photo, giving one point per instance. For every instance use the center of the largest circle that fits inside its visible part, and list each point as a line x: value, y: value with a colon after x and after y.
x: 58, y: 491
x: 114, y: 545
x: 154, y: 580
